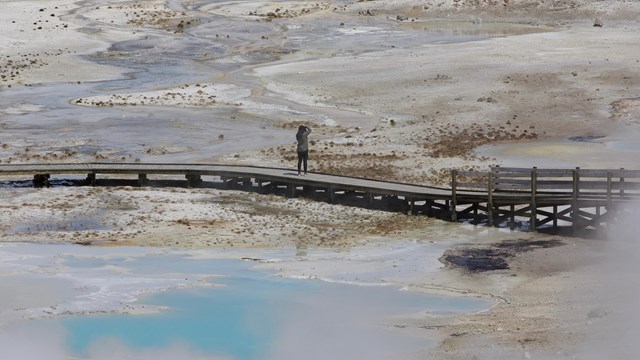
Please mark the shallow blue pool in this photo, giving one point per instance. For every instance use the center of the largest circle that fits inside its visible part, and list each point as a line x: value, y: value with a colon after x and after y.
x: 251, y: 314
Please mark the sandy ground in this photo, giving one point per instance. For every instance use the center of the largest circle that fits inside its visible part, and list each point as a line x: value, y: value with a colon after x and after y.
x: 421, y: 109
x: 448, y: 100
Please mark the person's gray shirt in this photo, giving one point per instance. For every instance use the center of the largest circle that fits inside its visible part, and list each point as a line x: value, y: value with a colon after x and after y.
x: 303, y: 141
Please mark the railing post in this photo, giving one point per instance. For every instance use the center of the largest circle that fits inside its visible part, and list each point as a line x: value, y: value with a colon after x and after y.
x: 454, y: 190
x: 609, y: 189
x: 490, y: 198
x: 534, y: 190
x: 574, y: 198
x: 621, y: 183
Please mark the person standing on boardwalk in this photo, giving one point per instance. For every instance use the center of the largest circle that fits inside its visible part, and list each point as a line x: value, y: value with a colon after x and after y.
x: 303, y: 147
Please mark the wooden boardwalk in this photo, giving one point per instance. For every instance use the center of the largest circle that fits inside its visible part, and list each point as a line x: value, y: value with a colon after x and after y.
x: 524, y: 198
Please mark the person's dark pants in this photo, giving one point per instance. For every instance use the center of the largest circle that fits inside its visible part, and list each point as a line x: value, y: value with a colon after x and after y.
x: 303, y: 156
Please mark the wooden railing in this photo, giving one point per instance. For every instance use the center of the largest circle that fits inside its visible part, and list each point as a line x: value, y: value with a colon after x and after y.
x: 577, y: 188
x: 576, y: 182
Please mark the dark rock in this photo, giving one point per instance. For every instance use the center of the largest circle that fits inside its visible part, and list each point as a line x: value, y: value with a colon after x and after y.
x: 494, y: 257
x: 477, y: 260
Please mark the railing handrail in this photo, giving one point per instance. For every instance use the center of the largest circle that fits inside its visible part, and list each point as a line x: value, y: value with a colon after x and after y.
x: 581, y: 181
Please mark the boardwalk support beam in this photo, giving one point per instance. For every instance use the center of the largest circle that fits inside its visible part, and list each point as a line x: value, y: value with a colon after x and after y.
x: 193, y: 179
x: 91, y: 179
x: 41, y: 180
x: 142, y: 180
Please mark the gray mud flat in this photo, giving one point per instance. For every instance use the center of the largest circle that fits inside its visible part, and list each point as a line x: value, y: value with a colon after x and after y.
x: 494, y: 257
